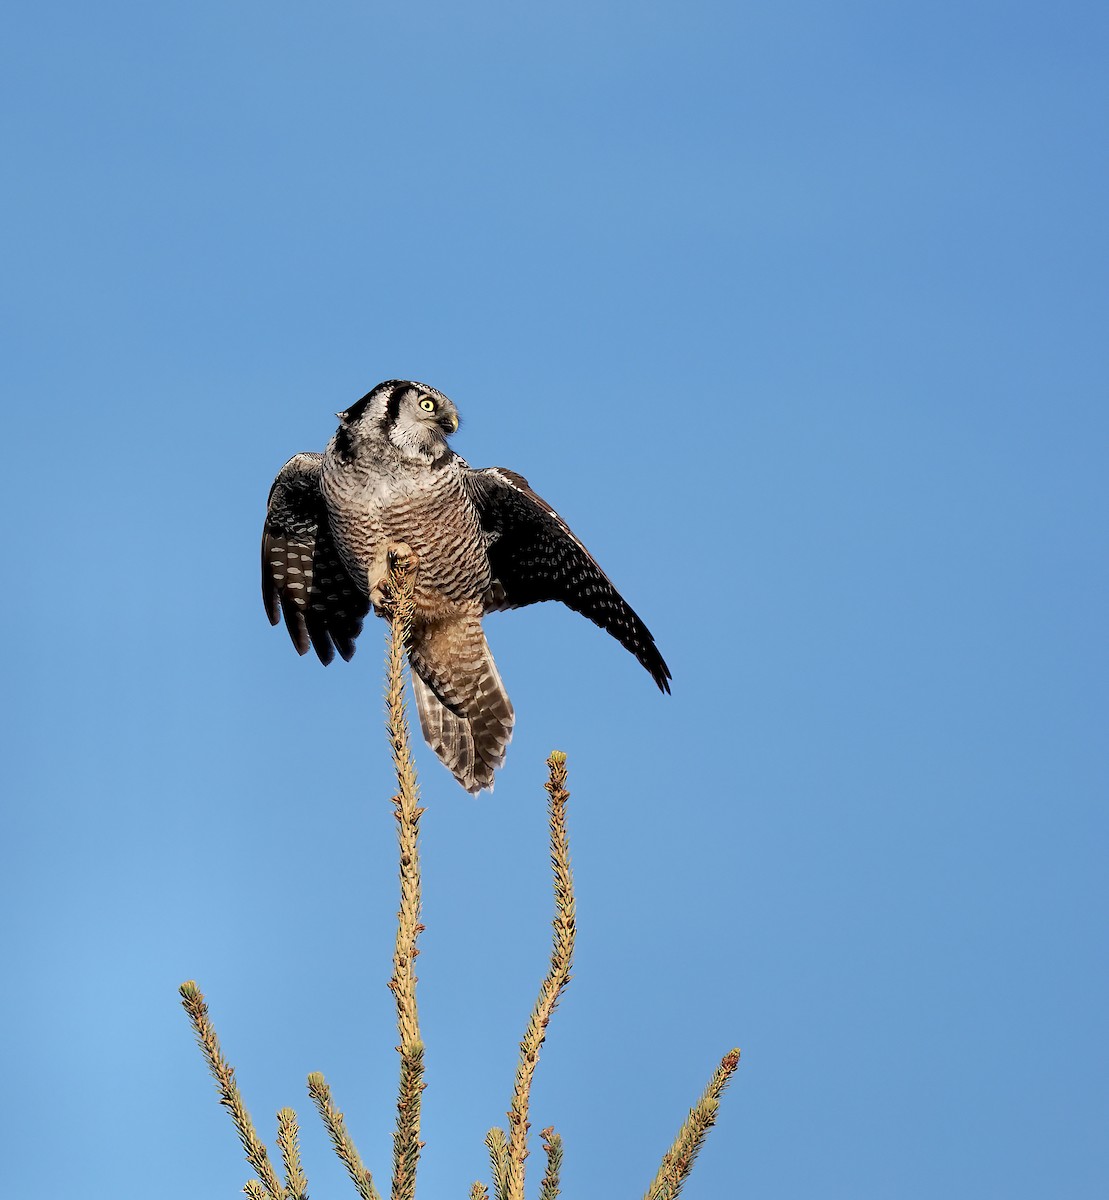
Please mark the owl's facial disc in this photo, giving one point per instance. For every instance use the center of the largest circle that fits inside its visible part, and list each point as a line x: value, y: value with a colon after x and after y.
x: 435, y: 408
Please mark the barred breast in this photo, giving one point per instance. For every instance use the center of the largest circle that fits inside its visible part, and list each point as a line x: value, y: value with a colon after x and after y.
x: 426, y: 509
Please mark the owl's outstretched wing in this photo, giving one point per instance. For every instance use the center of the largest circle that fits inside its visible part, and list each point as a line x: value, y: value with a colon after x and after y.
x: 302, y: 575
x: 535, y: 556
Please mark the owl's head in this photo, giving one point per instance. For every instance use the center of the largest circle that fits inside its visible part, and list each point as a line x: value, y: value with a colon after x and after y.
x: 413, y: 418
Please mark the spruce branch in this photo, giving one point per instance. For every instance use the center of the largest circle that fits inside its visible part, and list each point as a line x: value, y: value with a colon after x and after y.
x: 678, y: 1160
x: 406, y: 1140
x: 498, y: 1162
x: 288, y: 1139
x: 552, y: 1147
x: 192, y: 999
x: 507, y: 1148
x: 340, y: 1138
x: 562, y: 954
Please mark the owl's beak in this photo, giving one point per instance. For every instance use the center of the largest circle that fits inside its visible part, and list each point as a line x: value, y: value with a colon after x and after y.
x: 448, y: 423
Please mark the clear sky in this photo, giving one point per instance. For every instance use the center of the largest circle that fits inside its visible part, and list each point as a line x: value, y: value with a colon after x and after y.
x: 797, y: 312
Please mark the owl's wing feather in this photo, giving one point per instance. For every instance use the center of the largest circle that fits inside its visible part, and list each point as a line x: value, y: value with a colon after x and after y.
x: 535, y: 556
x: 303, y: 578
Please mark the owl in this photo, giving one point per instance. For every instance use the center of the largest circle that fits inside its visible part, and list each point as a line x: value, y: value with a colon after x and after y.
x: 484, y: 542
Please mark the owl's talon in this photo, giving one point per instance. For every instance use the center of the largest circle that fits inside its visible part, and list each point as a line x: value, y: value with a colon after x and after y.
x: 401, y: 557
x: 382, y: 605
x: 400, y: 561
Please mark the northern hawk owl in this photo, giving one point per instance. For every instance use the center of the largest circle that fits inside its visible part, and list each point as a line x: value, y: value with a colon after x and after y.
x: 484, y: 540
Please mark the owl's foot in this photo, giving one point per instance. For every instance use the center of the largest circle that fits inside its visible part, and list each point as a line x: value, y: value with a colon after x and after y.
x: 400, y: 560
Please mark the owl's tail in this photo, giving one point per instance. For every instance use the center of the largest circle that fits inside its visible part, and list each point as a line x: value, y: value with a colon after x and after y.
x: 468, y: 726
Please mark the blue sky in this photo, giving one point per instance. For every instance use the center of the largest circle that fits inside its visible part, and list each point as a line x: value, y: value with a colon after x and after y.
x: 797, y: 313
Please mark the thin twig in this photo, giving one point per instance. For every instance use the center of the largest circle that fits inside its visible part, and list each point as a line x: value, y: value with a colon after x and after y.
x: 254, y: 1190
x: 288, y: 1140
x: 224, y: 1074
x: 340, y: 1138
x: 406, y: 1139
x: 558, y: 976
x: 678, y: 1161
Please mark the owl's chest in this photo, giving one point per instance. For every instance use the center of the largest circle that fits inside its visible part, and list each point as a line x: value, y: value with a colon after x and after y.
x: 430, y: 513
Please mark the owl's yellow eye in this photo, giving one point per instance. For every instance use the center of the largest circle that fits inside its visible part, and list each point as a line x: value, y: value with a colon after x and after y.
x: 427, y: 404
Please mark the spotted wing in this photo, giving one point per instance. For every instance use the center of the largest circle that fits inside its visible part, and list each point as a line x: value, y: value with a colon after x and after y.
x: 534, y: 556
x: 302, y: 576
